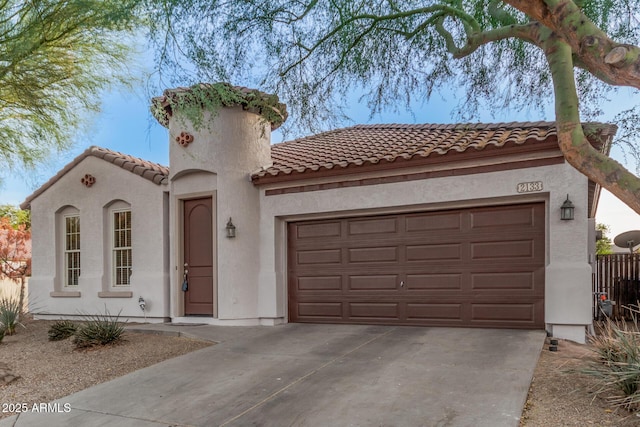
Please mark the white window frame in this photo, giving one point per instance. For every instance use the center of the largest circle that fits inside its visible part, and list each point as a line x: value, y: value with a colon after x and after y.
x: 115, y: 250
x: 72, y: 256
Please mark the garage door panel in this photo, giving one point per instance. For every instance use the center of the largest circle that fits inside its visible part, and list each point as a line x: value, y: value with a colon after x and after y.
x: 434, y: 311
x: 504, y: 281
x: 502, y: 250
x: 370, y: 283
x: 320, y: 309
x: 315, y: 230
x: 326, y: 256
x: 326, y: 283
x: 374, y: 254
x: 509, y: 312
x: 373, y: 226
x: 481, y: 267
x: 373, y: 310
x: 504, y: 218
x: 428, y: 281
x: 449, y: 252
x: 433, y: 221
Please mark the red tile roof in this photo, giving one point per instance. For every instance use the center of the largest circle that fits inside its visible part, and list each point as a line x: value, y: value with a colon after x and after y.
x: 372, y: 144
x: 154, y: 172
x: 363, y: 145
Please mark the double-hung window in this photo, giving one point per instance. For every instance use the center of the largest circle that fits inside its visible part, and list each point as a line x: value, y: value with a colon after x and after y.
x: 122, y: 262
x: 71, y: 249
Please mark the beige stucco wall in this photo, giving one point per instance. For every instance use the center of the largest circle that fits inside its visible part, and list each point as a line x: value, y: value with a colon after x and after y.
x: 149, y: 215
x: 230, y: 145
x: 568, y: 273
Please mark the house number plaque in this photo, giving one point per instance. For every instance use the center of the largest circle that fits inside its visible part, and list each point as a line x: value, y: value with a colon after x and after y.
x: 529, y: 187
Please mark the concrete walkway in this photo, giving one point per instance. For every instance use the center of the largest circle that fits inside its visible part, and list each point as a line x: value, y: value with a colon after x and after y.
x: 317, y: 375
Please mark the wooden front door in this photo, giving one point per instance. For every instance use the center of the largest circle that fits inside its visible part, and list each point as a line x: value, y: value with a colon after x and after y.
x: 198, y: 257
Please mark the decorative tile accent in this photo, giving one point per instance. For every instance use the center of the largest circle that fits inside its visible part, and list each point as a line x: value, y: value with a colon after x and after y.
x: 184, y: 139
x: 88, y: 180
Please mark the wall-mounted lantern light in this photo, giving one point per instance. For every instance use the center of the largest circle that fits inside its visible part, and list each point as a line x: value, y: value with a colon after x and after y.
x: 231, y: 229
x: 566, y: 210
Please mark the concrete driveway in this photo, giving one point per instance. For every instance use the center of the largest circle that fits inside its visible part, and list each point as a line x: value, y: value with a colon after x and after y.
x: 319, y: 375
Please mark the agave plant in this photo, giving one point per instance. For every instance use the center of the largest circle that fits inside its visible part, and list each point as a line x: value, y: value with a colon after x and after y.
x: 617, y: 368
x: 99, y: 329
x: 9, y: 314
x: 61, y: 330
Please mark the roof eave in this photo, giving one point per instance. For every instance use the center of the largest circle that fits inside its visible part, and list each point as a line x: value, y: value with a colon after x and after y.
x: 157, y: 177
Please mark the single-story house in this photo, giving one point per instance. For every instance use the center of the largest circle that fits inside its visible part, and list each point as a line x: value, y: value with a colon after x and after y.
x: 395, y: 224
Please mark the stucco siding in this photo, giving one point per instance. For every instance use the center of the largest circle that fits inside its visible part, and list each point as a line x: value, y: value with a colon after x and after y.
x: 228, y: 147
x: 568, y: 272
x: 95, y: 292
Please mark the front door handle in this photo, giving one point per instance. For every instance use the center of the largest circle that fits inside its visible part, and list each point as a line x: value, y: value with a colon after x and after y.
x: 402, y: 284
x: 185, y: 282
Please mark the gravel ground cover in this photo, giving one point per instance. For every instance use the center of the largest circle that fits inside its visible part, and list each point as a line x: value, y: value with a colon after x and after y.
x: 560, y: 395
x: 49, y: 370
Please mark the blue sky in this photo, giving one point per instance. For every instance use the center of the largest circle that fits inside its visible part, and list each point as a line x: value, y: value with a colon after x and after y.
x: 125, y: 125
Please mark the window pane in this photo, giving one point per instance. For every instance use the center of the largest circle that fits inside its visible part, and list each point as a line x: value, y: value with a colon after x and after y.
x: 122, y: 261
x: 72, y: 250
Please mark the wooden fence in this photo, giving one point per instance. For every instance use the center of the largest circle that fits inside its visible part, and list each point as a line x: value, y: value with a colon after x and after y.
x: 619, y: 276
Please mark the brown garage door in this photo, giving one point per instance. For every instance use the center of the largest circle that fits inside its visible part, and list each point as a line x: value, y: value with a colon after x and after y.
x: 481, y: 267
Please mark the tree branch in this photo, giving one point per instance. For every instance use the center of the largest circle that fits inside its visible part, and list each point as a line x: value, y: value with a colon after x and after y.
x: 572, y: 141
x: 468, y: 21
x: 497, y: 11
x: 526, y: 32
x: 612, y: 62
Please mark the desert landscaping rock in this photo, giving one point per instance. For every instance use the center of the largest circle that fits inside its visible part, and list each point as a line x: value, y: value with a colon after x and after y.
x: 6, y: 374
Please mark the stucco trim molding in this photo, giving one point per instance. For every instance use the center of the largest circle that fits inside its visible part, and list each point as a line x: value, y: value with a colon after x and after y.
x: 115, y: 294
x: 460, y: 171
x: 65, y: 294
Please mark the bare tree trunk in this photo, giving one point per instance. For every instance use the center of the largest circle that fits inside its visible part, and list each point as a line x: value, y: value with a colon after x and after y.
x: 22, y: 292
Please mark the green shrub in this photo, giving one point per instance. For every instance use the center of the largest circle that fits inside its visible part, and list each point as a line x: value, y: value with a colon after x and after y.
x: 1, y: 333
x: 9, y: 314
x: 62, y: 330
x: 617, y: 368
x: 100, y: 329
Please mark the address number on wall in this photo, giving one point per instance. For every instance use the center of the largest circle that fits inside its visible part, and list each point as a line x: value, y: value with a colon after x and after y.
x: 529, y: 187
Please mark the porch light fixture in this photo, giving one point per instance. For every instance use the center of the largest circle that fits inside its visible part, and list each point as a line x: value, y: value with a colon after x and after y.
x: 566, y: 210
x: 231, y: 229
